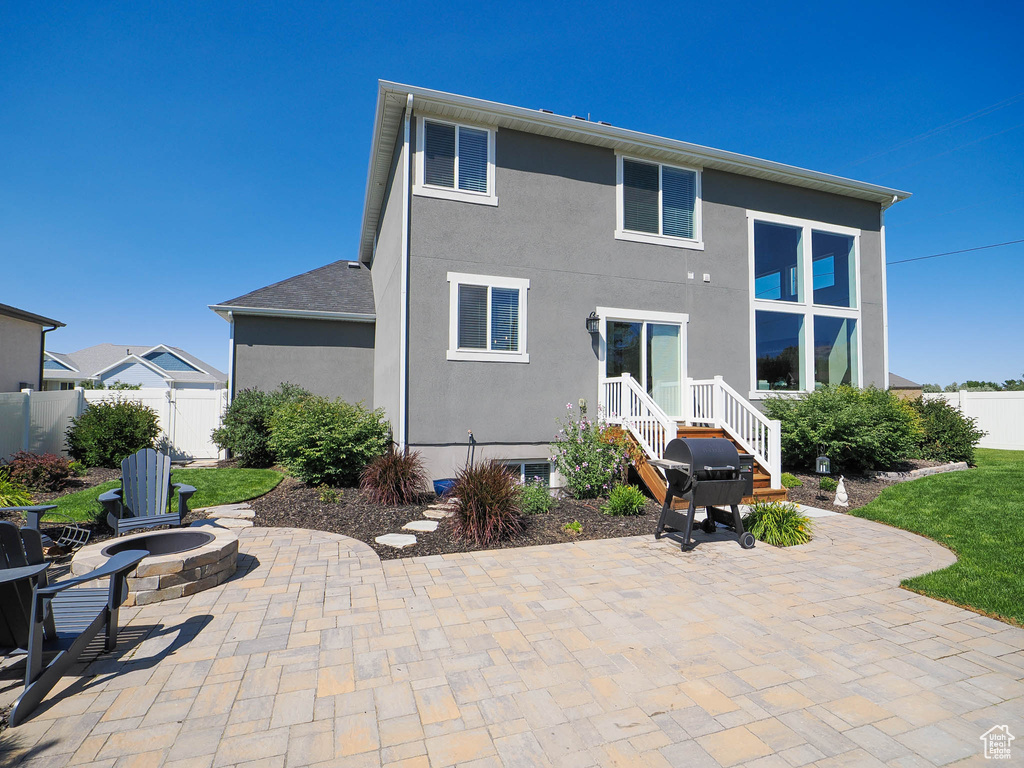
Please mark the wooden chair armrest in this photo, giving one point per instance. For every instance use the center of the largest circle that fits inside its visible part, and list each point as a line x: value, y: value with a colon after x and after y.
x: 24, y: 572
x: 115, y: 566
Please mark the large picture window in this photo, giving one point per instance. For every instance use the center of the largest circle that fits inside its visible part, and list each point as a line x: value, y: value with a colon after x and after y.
x: 487, y: 318
x: 805, y: 323
x: 658, y: 203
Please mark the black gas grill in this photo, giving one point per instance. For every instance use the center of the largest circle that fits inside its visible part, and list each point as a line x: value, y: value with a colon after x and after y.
x: 709, y: 473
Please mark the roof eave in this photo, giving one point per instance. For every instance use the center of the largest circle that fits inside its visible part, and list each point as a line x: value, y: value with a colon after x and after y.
x: 227, y: 310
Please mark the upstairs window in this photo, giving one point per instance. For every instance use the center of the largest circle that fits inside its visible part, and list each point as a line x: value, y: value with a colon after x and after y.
x: 455, y: 162
x: 658, y: 204
x: 487, y: 318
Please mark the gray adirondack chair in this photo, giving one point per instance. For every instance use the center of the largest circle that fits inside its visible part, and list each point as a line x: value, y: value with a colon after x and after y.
x: 144, y: 498
x: 38, y: 619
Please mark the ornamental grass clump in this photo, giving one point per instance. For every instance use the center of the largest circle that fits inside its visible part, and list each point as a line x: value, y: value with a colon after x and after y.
x: 590, y: 455
x: 12, y: 493
x: 625, y: 500
x: 394, y: 478
x: 778, y: 523
x: 487, y: 499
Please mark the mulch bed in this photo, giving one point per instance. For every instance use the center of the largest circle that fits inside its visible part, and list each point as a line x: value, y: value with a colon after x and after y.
x: 861, y: 489
x: 92, y: 477
x: 295, y: 505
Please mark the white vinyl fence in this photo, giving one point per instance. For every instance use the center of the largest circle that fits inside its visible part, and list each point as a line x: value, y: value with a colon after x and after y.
x: 1001, y: 414
x: 37, y: 421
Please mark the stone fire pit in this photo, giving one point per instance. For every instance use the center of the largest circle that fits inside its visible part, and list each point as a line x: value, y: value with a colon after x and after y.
x: 181, y: 562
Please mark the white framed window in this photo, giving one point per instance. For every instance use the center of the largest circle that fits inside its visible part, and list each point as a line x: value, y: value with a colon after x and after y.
x: 487, y: 318
x: 805, y: 320
x: 535, y: 471
x: 454, y: 161
x: 658, y: 203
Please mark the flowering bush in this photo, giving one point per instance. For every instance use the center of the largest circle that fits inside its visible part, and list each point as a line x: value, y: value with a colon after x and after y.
x: 590, y: 455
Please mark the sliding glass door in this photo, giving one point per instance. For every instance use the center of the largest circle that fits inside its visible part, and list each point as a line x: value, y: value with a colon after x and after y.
x: 650, y: 352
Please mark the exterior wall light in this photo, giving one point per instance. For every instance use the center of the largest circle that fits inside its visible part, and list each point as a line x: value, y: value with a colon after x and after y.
x: 593, y: 323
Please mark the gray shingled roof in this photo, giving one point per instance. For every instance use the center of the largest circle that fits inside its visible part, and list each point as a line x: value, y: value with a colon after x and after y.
x: 898, y: 382
x: 91, y: 360
x: 336, y: 287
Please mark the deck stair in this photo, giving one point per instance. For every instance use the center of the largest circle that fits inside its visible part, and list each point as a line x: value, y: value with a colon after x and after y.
x: 714, y: 410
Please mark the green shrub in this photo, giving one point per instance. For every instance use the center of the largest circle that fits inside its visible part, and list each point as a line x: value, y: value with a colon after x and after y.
x: 591, y: 456
x: 39, y: 472
x: 394, y: 478
x: 78, y: 469
x: 828, y: 484
x: 791, y: 481
x: 575, y: 527
x: 487, y: 499
x: 12, y: 493
x: 110, y: 430
x: 327, y: 441
x: 625, y: 500
x: 536, y: 498
x: 858, y: 429
x: 245, y: 430
x: 946, y: 433
x: 778, y: 523
x: 329, y: 495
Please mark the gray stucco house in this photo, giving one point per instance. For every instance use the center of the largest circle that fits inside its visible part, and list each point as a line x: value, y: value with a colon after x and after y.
x: 148, y: 366
x: 512, y: 260
x: 22, y: 345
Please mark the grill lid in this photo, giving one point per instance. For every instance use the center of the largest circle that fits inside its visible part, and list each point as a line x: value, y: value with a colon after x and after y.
x: 703, y: 453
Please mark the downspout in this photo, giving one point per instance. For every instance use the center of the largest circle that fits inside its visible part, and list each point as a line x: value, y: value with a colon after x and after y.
x: 403, y: 330
x: 42, y: 352
x: 885, y: 298
x: 231, y: 356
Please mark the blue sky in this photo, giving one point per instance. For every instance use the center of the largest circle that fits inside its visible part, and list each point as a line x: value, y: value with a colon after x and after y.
x: 157, y: 158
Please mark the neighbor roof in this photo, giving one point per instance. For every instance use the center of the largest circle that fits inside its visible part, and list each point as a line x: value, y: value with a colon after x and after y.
x: 898, y: 382
x: 339, y: 291
x: 101, y: 357
x: 393, y: 97
x: 21, y: 314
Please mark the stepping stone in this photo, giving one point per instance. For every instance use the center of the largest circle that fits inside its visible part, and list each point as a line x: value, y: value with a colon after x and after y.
x: 237, y: 514
x: 426, y: 526
x: 438, y: 513
x: 396, y: 540
x: 230, y: 522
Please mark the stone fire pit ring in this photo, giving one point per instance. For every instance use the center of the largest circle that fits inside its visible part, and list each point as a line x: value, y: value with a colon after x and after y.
x: 182, y: 561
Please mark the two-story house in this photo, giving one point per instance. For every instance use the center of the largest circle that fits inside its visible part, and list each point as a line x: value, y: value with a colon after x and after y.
x: 512, y: 261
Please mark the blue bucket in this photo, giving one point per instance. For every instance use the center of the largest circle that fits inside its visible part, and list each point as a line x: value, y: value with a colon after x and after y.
x: 444, y: 486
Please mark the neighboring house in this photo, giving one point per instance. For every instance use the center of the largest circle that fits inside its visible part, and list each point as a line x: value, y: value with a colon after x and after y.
x: 22, y: 343
x: 156, y: 367
x: 905, y: 388
x: 520, y: 260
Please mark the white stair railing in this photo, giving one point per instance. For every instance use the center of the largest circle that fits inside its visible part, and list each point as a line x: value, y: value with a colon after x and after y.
x: 706, y: 403
x: 714, y: 403
x: 625, y: 402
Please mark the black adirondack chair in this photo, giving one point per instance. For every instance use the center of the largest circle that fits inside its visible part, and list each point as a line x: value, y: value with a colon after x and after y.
x: 144, y: 498
x: 40, y: 619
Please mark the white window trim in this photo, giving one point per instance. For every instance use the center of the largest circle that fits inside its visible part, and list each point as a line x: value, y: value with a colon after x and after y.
x: 454, y: 193
x: 621, y: 233
x: 455, y: 279
x: 807, y: 309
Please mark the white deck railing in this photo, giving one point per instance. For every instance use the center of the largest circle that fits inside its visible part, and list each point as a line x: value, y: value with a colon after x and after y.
x: 706, y: 403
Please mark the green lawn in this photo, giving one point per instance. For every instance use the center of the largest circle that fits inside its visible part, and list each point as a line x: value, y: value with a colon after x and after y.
x: 213, y: 486
x: 979, y: 514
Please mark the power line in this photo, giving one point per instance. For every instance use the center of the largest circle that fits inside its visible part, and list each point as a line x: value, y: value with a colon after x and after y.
x: 950, y: 253
x: 928, y: 134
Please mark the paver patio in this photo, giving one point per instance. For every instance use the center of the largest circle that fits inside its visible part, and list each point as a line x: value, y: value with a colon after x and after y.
x: 617, y: 652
